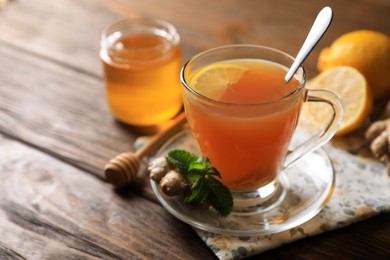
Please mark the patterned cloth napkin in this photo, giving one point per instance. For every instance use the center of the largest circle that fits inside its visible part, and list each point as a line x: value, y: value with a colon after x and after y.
x: 362, y: 190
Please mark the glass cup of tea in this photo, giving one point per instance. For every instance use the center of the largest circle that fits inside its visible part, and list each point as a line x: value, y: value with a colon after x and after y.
x: 243, y: 116
x: 142, y: 60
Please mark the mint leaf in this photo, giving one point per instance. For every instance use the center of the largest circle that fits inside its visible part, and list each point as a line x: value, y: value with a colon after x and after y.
x: 199, y: 192
x: 204, y: 165
x: 214, y: 172
x: 193, y: 176
x: 198, y: 166
x: 205, y: 186
x: 220, y: 197
x: 181, y: 159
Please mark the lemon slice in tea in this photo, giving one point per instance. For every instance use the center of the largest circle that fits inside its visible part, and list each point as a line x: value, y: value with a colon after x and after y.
x: 213, y: 80
x: 352, y: 88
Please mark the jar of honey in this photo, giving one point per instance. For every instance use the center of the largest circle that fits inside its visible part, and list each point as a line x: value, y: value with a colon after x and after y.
x: 142, y: 60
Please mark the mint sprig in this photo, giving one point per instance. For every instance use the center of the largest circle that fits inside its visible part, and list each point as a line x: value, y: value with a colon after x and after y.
x: 205, y: 187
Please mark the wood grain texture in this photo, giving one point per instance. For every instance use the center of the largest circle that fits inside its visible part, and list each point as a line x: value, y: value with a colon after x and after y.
x: 52, y: 111
x: 49, y: 209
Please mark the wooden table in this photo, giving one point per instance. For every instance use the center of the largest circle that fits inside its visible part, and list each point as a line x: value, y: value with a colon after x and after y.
x: 56, y: 132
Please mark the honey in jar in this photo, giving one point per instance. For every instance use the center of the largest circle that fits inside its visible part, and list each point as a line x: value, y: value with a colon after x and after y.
x: 142, y: 61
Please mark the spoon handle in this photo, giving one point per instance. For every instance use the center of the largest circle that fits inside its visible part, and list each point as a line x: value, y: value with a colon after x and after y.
x: 320, y: 25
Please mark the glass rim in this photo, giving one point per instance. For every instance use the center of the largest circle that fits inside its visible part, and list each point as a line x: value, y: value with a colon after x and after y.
x: 146, y: 21
x: 216, y: 102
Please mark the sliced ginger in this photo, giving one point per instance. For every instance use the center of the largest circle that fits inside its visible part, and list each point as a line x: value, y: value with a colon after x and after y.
x: 378, y: 134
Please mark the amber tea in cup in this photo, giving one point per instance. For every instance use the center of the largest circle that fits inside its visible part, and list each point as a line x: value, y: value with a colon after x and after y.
x: 243, y: 115
x: 142, y: 61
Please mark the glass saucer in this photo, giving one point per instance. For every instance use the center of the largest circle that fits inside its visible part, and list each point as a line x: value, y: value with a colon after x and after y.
x: 308, y: 183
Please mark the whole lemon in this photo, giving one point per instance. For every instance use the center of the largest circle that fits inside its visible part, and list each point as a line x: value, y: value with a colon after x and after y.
x: 365, y: 50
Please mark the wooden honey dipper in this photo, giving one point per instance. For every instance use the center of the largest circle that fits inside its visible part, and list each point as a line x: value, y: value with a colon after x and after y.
x: 122, y: 169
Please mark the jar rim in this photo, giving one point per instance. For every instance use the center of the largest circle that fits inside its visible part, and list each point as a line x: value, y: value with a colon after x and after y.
x: 137, y: 26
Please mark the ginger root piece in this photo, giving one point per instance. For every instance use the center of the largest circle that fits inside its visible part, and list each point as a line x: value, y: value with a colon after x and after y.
x: 158, y: 168
x: 378, y: 134
x: 174, y: 183
x: 171, y: 181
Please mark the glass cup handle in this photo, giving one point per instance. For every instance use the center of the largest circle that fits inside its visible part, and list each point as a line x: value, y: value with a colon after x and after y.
x: 323, y: 136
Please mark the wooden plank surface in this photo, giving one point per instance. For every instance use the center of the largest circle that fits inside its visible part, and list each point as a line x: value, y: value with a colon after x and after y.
x: 50, y: 209
x: 59, y: 110
x: 57, y: 132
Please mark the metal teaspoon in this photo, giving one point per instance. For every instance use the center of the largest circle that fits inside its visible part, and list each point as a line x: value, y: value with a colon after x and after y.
x: 320, y: 25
